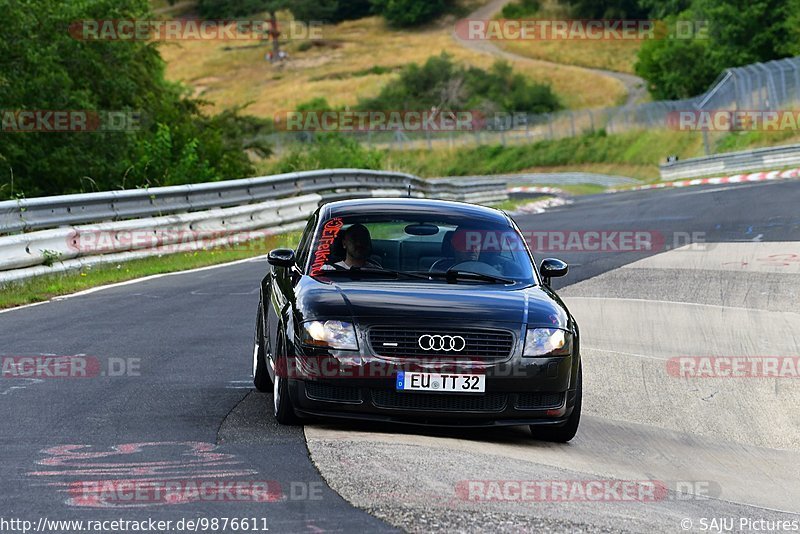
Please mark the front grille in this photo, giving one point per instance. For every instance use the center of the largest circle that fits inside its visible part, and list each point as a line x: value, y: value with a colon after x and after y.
x: 326, y: 392
x: 478, y: 343
x: 490, y: 402
x: 539, y: 401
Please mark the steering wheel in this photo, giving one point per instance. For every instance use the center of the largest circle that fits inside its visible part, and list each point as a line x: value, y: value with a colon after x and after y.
x: 476, y: 267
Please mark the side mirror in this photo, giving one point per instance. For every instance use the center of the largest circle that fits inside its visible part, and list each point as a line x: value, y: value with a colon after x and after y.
x: 281, y: 257
x: 552, y: 268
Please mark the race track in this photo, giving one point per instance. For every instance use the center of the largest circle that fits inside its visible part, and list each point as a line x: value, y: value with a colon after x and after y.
x: 181, y: 407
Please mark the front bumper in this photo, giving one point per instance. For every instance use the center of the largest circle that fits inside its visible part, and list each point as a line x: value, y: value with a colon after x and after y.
x: 526, y: 391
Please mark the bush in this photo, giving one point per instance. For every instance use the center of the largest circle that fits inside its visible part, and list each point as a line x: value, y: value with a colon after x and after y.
x: 330, y: 151
x: 608, y: 9
x: 520, y: 9
x: 305, y: 10
x: 223, y: 9
x: 405, y: 13
x: 443, y: 84
x: 330, y: 10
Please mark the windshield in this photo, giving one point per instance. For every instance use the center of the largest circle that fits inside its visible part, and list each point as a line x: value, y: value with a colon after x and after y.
x: 443, y: 250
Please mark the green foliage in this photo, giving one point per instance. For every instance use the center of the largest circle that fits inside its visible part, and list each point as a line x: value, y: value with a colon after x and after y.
x: 315, y: 104
x: 520, y: 9
x: 743, y: 31
x: 676, y: 68
x: 512, y: 92
x: 160, y: 160
x: 791, y: 46
x: 305, y: 10
x: 406, y: 13
x: 222, y: 9
x: 607, y: 9
x: 443, y: 84
x: 330, y: 151
x: 50, y: 257
x: 740, y: 32
x: 42, y: 67
x: 659, y: 9
x: 646, y: 149
x: 330, y: 10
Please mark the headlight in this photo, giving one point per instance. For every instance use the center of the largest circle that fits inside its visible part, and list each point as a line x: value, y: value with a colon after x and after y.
x: 547, y: 342
x: 330, y: 334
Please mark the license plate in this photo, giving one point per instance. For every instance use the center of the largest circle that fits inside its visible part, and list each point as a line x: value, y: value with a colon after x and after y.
x: 443, y: 383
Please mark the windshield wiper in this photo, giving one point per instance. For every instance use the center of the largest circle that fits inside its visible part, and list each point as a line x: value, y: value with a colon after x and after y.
x: 355, y: 271
x: 452, y: 275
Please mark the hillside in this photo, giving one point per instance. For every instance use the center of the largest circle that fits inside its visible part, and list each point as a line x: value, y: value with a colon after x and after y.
x: 613, y: 55
x: 355, y: 59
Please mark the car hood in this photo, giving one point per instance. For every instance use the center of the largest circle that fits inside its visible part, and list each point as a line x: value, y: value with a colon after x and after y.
x: 468, y: 304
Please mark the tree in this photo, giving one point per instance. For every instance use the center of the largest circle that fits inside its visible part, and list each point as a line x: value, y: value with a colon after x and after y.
x: 659, y: 9
x: 675, y: 68
x: 305, y: 10
x: 744, y: 31
x: 520, y: 9
x: 330, y: 10
x: 406, y: 13
x: 740, y: 32
x: 791, y: 47
x: 607, y: 9
x: 42, y: 67
x: 223, y: 9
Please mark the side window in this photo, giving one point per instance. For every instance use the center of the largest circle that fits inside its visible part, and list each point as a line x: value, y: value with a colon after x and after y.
x: 301, y: 254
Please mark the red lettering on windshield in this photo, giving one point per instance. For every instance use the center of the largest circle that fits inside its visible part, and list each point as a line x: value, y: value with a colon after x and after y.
x: 326, y: 239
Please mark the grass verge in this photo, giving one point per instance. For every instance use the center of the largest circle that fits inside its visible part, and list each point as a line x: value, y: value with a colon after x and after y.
x: 642, y: 151
x: 43, y: 288
x: 513, y: 203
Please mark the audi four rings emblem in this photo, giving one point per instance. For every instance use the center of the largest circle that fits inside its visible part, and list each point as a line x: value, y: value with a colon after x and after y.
x: 442, y: 343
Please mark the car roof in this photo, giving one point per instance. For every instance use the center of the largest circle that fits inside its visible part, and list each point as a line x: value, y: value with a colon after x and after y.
x: 414, y: 207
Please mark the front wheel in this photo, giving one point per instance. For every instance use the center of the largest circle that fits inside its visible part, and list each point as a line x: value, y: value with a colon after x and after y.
x: 261, y: 378
x: 282, y: 404
x: 567, y: 431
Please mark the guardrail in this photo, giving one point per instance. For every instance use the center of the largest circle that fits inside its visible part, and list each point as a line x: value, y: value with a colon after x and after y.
x: 50, y: 212
x: 773, y: 158
x: 53, y: 234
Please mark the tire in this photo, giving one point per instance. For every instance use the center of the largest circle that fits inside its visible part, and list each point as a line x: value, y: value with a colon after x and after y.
x: 281, y: 402
x: 567, y: 431
x: 261, y: 379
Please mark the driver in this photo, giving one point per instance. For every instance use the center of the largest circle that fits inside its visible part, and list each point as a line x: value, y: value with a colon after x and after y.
x: 357, y: 244
x: 464, y: 247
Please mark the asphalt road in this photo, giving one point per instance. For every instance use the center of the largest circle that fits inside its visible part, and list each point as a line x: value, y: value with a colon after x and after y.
x: 182, y: 409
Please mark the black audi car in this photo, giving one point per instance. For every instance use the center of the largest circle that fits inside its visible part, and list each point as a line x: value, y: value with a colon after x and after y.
x: 417, y: 311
